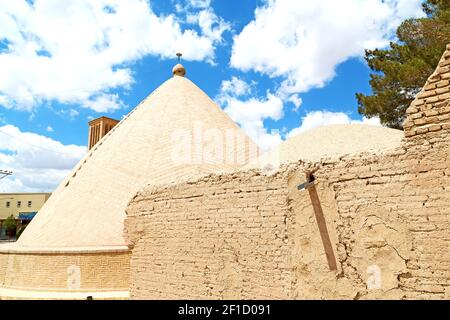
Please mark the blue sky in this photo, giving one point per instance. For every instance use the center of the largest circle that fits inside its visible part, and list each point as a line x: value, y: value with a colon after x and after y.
x: 277, y: 67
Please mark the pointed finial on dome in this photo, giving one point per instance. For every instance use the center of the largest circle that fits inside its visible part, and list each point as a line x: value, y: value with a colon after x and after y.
x: 178, y: 69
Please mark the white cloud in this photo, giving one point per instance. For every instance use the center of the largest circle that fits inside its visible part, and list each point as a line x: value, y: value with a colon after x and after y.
x: 250, y: 112
x: 210, y: 24
x: 104, y: 103
x: 200, y: 3
x: 316, y: 119
x: 235, y: 87
x: 375, y: 121
x: 49, y: 129
x: 303, y: 41
x: 296, y: 100
x: 74, y: 51
x: 183, y: 6
x: 72, y: 113
x: 38, y: 162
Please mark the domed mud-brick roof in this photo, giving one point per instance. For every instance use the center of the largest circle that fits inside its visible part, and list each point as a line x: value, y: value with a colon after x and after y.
x: 88, y: 207
x: 331, y: 141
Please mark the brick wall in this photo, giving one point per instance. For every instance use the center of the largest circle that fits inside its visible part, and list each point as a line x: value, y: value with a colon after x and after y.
x: 253, y: 235
x: 211, y: 239
x: 99, y: 271
x: 430, y: 113
x: 393, y: 213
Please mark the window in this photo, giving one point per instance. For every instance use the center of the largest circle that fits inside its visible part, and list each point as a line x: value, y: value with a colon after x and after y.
x: 19, y: 203
x: 8, y: 204
x: 29, y: 204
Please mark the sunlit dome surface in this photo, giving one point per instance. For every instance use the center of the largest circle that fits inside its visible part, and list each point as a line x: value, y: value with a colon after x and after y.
x: 332, y: 141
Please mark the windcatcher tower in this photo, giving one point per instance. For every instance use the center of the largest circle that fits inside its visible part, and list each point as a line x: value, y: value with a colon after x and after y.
x: 74, y: 247
x: 98, y: 128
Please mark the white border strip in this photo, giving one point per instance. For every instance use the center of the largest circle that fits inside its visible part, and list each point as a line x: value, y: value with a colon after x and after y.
x: 6, y: 293
x: 14, y: 249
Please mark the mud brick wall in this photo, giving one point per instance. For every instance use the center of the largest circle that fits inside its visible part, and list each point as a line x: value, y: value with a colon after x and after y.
x: 253, y: 235
x: 394, y: 213
x: 211, y: 239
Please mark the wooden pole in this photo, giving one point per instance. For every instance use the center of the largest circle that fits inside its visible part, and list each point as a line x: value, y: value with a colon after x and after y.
x: 323, y: 230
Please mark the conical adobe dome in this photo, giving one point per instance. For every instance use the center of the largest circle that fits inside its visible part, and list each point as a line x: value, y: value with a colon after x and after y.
x: 88, y: 208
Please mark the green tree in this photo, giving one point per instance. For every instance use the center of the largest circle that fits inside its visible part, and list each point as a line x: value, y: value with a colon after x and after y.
x: 9, y: 223
x: 401, y: 71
